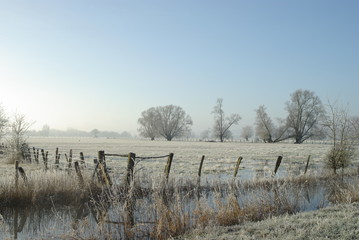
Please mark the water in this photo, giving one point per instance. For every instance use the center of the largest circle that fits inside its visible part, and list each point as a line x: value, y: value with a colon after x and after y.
x: 90, y: 219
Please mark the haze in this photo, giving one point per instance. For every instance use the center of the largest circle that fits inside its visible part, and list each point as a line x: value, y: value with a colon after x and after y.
x: 99, y: 64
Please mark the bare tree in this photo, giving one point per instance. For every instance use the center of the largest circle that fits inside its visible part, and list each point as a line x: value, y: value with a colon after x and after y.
x: 205, y: 134
x: 147, y: 123
x: 172, y: 121
x: 19, y: 127
x: 265, y: 128
x: 3, y: 122
x: 355, y: 123
x: 95, y: 132
x: 45, y: 130
x: 264, y: 125
x: 304, y: 113
x: 341, y: 129
x: 222, y: 123
x: 247, y: 132
x: 167, y: 121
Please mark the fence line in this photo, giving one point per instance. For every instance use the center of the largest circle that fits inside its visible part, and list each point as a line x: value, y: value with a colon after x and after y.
x: 102, y: 171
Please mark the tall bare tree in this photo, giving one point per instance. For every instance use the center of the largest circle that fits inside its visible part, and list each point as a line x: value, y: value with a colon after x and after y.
x: 172, y: 121
x: 147, y: 123
x: 19, y: 127
x: 167, y: 121
x: 305, y: 110
x: 267, y: 130
x: 222, y: 124
x: 264, y: 125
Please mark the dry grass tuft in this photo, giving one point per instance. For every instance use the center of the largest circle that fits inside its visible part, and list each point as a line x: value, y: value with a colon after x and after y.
x: 229, y: 213
x: 169, y: 223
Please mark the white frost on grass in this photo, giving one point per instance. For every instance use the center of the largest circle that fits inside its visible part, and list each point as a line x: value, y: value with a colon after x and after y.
x: 336, y: 222
x: 220, y: 158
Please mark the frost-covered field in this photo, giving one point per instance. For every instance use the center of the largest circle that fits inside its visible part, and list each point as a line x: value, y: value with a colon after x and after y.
x: 220, y: 158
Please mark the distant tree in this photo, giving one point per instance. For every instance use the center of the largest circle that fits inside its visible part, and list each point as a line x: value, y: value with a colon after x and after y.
x: 125, y: 134
x: 304, y: 113
x: 264, y: 125
x: 167, y: 121
x: 19, y: 127
x: 265, y: 128
x: 205, y: 134
x: 45, y: 131
x: 95, y: 132
x: 172, y: 121
x: 222, y: 123
x: 148, y: 121
x: 3, y: 122
x: 247, y: 132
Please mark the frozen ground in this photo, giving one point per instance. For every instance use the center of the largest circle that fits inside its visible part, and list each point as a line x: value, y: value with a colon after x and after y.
x: 220, y: 158
x: 336, y: 222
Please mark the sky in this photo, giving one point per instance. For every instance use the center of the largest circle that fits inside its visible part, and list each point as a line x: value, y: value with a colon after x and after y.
x: 98, y: 64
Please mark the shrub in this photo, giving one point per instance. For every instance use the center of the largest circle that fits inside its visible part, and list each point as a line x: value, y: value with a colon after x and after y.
x: 339, y: 156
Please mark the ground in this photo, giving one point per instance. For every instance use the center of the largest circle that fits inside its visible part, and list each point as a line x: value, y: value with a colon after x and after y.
x: 335, y: 222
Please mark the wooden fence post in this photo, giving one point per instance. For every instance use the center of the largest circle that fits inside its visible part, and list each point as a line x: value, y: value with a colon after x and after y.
x: 44, y: 157
x: 23, y: 175
x: 101, y: 169
x: 29, y: 155
x: 17, y: 175
x: 306, y: 166
x: 70, y: 159
x: 82, y: 158
x: 130, y: 165
x: 79, y: 175
x: 200, y: 166
x: 237, y: 166
x: 36, y: 154
x: 277, y: 164
x: 56, y: 153
x: 168, y: 165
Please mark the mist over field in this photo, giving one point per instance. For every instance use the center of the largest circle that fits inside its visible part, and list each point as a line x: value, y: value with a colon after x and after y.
x: 179, y: 119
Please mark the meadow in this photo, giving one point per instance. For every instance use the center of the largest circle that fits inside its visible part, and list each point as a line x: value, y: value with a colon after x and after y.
x: 54, y: 203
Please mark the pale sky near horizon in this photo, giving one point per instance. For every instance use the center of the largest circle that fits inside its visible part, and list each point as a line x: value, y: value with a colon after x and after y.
x: 99, y: 64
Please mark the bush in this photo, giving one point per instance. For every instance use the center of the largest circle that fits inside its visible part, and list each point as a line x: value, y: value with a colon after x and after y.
x: 339, y: 156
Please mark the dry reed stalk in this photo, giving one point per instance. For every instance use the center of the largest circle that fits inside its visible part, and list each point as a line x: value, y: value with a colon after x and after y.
x: 229, y: 213
x: 169, y: 223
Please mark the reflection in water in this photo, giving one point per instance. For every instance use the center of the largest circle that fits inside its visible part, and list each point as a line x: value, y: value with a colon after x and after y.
x: 109, y: 218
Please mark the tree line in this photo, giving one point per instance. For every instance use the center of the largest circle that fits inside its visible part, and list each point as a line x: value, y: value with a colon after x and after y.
x: 307, y: 118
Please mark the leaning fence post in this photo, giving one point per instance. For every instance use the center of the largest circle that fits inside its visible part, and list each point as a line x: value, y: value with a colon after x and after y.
x: 23, y: 175
x: 277, y: 164
x: 200, y: 168
x: 237, y: 166
x: 306, y: 166
x: 102, y: 170
x: 168, y: 165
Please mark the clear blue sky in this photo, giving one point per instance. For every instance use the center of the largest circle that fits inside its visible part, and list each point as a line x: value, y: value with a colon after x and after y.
x: 99, y: 64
